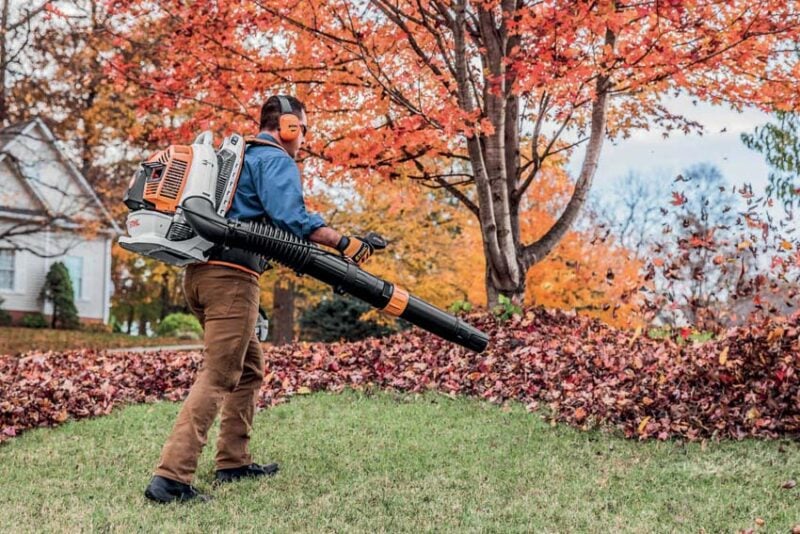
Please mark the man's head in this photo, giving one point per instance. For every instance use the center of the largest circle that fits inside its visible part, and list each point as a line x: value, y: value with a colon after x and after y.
x: 270, y: 123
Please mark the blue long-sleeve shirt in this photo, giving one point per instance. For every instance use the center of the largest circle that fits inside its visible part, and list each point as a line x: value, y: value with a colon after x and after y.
x: 270, y: 184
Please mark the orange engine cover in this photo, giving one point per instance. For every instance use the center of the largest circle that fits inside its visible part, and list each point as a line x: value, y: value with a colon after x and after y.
x: 168, y: 170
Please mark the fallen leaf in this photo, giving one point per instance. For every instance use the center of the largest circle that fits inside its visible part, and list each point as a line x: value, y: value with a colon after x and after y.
x: 723, y: 356
x: 774, y: 334
x: 643, y: 425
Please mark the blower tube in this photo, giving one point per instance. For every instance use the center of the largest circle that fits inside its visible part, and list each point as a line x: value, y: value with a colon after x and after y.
x: 305, y: 258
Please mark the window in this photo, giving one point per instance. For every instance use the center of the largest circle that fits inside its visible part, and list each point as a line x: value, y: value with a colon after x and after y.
x: 6, y: 269
x: 74, y: 265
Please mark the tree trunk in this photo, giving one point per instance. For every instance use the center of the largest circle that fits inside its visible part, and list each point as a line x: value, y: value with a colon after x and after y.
x: 130, y: 320
x: 283, y: 312
x: 164, y: 296
x: 142, y: 326
x: 3, y: 61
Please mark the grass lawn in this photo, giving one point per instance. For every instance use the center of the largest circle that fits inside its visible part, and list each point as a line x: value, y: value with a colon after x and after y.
x: 367, y: 463
x: 14, y: 340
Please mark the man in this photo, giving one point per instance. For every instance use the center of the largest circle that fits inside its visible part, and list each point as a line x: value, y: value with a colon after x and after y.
x: 223, y: 293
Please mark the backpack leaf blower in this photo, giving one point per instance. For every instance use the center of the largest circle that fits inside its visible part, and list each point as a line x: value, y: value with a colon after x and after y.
x: 178, y: 201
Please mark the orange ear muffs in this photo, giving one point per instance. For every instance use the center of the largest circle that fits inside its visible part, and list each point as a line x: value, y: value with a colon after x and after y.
x: 289, y: 128
x: 289, y: 125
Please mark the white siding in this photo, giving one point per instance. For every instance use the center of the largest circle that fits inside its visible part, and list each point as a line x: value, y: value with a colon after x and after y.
x: 13, y: 193
x: 29, y: 273
x: 31, y: 270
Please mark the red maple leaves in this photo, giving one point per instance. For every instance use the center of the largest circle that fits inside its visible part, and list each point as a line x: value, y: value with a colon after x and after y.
x: 582, y: 371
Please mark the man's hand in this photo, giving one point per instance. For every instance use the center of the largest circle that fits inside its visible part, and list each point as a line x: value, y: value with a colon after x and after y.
x: 355, y: 248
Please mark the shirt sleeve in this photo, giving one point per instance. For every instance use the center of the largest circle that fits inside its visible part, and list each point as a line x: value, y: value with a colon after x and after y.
x: 281, y: 194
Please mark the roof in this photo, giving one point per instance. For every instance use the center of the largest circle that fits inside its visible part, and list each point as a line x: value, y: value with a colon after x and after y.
x: 13, y: 132
x: 15, y: 128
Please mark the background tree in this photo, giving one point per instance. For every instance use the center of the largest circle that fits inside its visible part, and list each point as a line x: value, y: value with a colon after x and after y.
x: 5, y: 317
x: 58, y: 74
x: 470, y: 97
x: 18, y: 24
x: 64, y: 82
x: 58, y: 290
x: 340, y: 318
x: 779, y: 141
x: 146, y: 290
x: 631, y: 211
x: 54, y: 69
x: 589, y: 271
x: 701, y: 222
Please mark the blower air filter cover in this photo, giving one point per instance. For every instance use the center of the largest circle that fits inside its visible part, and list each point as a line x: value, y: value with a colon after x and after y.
x: 148, y: 231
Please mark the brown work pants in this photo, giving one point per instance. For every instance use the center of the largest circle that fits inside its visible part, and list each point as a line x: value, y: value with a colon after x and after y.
x: 226, y: 302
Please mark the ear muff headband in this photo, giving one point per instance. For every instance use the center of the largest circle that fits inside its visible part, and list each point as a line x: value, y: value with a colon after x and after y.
x: 289, y: 125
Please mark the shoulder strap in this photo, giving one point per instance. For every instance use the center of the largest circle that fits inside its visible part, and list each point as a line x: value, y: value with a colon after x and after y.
x: 253, y: 140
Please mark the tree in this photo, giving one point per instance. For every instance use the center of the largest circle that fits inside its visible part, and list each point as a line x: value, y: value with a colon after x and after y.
x: 17, y: 30
x: 283, y: 311
x: 53, y: 70
x: 146, y: 290
x: 780, y: 143
x: 722, y: 259
x: 340, y: 317
x: 631, y: 211
x: 65, y: 84
x: 589, y: 271
x: 470, y: 97
x: 57, y: 289
x: 5, y: 317
x: 704, y: 212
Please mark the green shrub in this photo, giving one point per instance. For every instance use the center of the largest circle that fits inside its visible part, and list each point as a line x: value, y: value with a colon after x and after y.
x: 460, y: 306
x: 183, y: 325
x: 116, y: 326
x: 58, y: 290
x: 505, y: 309
x: 5, y: 317
x: 34, y: 320
x: 340, y: 318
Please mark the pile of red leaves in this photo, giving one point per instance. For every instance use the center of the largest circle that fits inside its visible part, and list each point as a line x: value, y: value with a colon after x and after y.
x: 586, y: 373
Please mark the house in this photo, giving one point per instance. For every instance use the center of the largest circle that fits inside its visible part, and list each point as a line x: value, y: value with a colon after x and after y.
x: 49, y: 213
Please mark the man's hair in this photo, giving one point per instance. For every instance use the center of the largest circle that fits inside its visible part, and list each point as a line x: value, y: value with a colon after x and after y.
x: 271, y: 112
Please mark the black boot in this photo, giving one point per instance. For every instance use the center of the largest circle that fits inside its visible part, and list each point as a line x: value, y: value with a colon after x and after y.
x: 252, y: 470
x: 165, y: 490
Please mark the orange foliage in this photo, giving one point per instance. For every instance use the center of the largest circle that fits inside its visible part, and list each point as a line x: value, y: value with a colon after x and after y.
x: 585, y: 272
x: 434, y: 247
x: 382, y: 94
x: 433, y: 252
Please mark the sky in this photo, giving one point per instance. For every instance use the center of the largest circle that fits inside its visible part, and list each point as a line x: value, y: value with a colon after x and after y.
x: 648, y: 153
